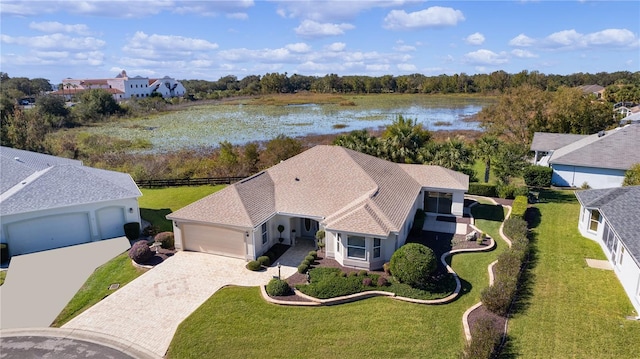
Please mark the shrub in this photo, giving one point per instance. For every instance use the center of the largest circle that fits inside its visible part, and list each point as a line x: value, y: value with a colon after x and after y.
x: 166, y: 238
x: 352, y: 274
x: 323, y: 273
x: 150, y: 231
x: 305, y: 262
x: 413, y: 264
x: 362, y: 273
x: 254, y: 266
x: 481, y: 238
x: 519, y: 207
x: 302, y: 268
x: 140, y: 252
x: 498, y: 297
x: 506, y: 191
x: 382, y: 282
x: 386, y: 267
x: 515, y: 228
x: 485, y: 338
x: 343, y: 274
x: 278, y: 287
x: 132, y: 230
x: 538, y: 176
x: 270, y: 254
x: 314, y: 254
x: 367, y: 282
x: 483, y: 189
x: 332, y: 287
x: 264, y: 261
x: 521, y: 191
x: 508, y: 266
x: 310, y: 259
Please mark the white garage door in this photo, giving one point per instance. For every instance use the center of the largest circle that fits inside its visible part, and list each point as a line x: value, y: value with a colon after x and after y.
x: 111, y: 222
x: 44, y: 233
x: 215, y: 240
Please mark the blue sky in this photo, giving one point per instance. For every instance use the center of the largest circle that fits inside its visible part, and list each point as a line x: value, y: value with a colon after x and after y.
x: 211, y: 39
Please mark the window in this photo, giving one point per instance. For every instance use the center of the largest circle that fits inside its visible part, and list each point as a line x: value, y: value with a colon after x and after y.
x: 356, y: 247
x: 264, y: 233
x: 438, y: 202
x: 376, y: 248
x: 338, y: 240
x: 595, y: 218
x: 621, y: 255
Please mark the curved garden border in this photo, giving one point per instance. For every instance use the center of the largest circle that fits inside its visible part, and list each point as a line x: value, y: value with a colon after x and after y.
x: 465, y: 316
x: 312, y: 301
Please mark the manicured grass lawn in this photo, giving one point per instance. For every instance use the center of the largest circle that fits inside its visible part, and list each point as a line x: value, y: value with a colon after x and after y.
x: 154, y: 204
x: 118, y: 270
x: 574, y: 311
x: 237, y: 323
x: 3, y: 275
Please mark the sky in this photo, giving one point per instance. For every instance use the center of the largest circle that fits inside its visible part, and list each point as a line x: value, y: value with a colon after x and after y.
x: 208, y: 40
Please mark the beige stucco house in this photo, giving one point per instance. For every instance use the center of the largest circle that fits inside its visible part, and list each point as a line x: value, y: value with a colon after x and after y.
x: 365, y: 205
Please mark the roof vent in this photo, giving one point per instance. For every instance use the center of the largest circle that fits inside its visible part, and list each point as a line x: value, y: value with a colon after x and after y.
x: 601, y: 133
x: 17, y: 159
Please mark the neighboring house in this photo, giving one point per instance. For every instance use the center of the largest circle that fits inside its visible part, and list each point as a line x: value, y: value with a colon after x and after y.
x: 599, y: 160
x: 123, y: 87
x: 365, y: 205
x: 612, y: 218
x: 49, y: 202
x: 631, y: 119
x: 595, y: 90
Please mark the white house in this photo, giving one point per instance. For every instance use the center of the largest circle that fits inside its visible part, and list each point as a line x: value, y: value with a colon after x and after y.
x: 599, y: 160
x: 365, y: 205
x: 49, y: 202
x: 611, y: 217
x: 123, y: 87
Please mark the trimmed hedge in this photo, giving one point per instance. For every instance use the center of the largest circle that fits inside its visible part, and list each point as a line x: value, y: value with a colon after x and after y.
x: 302, y: 268
x: 519, y: 207
x: 140, y: 252
x: 278, y: 287
x: 264, y: 260
x: 483, y: 189
x: 254, y: 266
x: 484, y: 340
x: 413, y: 264
x: 166, y: 238
x: 538, y: 176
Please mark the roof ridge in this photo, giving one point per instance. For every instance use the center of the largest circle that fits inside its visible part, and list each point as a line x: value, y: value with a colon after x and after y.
x: 22, y: 184
x: 374, y: 211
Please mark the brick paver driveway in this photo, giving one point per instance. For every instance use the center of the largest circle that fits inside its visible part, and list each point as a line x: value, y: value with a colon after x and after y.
x: 148, y: 310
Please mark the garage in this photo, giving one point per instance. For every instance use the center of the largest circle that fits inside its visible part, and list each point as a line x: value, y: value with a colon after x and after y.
x: 48, y: 232
x: 111, y: 222
x: 215, y: 240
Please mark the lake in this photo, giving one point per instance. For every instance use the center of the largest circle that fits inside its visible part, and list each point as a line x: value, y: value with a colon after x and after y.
x: 207, y: 125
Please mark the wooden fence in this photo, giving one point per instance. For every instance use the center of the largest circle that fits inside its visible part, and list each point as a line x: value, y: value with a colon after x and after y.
x: 187, y: 182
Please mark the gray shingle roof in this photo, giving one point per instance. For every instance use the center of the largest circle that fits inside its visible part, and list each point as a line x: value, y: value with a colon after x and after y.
x: 39, y: 182
x: 621, y: 209
x: 544, y: 141
x: 346, y: 190
x: 617, y: 149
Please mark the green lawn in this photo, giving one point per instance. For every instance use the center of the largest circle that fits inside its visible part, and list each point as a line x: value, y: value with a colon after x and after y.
x: 3, y: 275
x: 154, y: 205
x: 237, y: 323
x: 573, y: 311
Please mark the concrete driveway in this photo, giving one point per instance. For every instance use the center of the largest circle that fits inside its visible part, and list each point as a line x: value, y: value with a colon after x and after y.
x: 39, y: 285
x: 148, y: 310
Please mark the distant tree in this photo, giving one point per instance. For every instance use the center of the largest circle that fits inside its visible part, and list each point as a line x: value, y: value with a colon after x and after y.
x: 228, y: 158
x: 96, y: 104
x: 26, y: 130
x: 250, y: 158
x: 632, y: 176
x: 509, y: 161
x: 279, y: 149
x: 485, y: 148
x: 453, y: 154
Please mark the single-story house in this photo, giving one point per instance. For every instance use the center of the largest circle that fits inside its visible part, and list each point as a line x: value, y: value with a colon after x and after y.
x: 365, y: 205
x: 599, y: 160
x: 611, y: 217
x: 50, y: 202
x: 595, y: 90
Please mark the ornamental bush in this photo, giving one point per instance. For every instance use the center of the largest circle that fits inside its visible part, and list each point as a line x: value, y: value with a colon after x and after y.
x: 254, y: 266
x: 483, y: 189
x: 484, y: 340
x: 413, y: 264
x: 386, y: 266
x: 278, y: 287
x: 302, y: 268
x: 310, y: 259
x: 314, y: 254
x: 367, y: 282
x: 382, y: 282
x: 140, y: 252
x: 166, y: 238
x: 264, y: 260
x: 538, y: 176
x: 362, y: 273
x: 519, y: 207
x: 498, y: 297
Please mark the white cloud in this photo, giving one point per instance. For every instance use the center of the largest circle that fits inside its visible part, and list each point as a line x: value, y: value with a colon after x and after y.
x: 435, y: 16
x: 564, y: 38
x: 309, y: 28
x: 54, y: 26
x: 238, y: 16
x: 329, y: 10
x: 485, y: 57
x: 336, y: 47
x: 523, y: 54
x: 55, y: 42
x: 263, y: 55
x: 572, y: 39
x: 378, y: 67
x: 522, y: 40
x: 407, y: 67
x: 300, y: 47
x: 612, y: 37
x: 475, y: 39
x: 404, y: 48
x: 168, y: 46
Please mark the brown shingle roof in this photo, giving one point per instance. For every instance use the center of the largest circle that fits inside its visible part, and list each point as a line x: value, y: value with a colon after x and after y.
x: 344, y: 189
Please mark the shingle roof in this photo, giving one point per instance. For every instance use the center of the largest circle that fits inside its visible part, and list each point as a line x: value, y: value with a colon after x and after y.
x: 620, y: 207
x: 591, y: 88
x: 37, y: 182
x: 344, y: 189
x: 544, y: 141
x: 616, y: 149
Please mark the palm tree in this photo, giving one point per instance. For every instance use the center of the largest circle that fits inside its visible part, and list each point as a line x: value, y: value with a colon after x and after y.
x: 402, y: 140
x: 453, y: 154
x: 485, y: 148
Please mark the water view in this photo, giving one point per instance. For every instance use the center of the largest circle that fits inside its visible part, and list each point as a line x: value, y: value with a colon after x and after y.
x: 207, y: 125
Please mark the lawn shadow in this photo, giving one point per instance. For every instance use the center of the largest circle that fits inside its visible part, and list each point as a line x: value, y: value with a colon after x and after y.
x: 489, y: 212
x: 557, y: 196
x: 157, y: 217
x: 533, y: 216
x: 439, y: 243
x: 526, y: 283
x: 507, y: 350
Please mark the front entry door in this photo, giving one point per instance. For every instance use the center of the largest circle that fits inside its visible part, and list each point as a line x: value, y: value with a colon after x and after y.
x: 309, y: 227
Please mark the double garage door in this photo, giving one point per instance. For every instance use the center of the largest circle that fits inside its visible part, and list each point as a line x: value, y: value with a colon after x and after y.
x: 216, y: 240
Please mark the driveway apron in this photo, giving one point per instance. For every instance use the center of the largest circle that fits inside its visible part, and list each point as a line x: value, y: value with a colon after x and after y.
x: 148, y: 310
